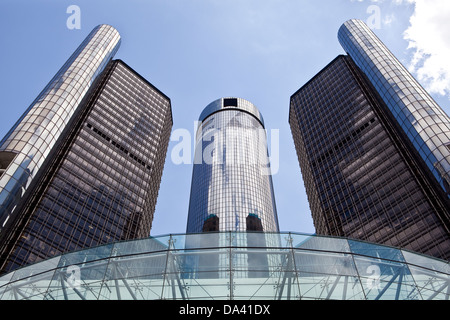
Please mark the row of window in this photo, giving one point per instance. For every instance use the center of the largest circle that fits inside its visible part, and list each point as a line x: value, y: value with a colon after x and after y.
x: 99, y: 193
x: 401, y: 93
x: 361, y: 188
x: 52, y: 110
x: 232, y: 192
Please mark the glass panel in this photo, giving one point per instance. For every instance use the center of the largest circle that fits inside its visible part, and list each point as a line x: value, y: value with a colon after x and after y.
x: 200, y: 288
x: 264, y: 274
x: 82, y: 256
x: 32, y: 288
x: 201, y: 273
x: 427, y: 262
x: 258, y: 240
x: 135, y: 277
x: 4, y: 283
x: 30, y: 282
x: 5, y: 279
x: 310, y: 262
x: 78, y: 281
x: 317, y: 286
x: 377, y: 251
x: 432, y: 276
x: 140, y: 246
x: 36, y: 268
x: 205, y: 240
x: 178, y: 241
x: 321, y: 243
x: 326, y: 275
x: 431, y: 284
x: 386, y: 280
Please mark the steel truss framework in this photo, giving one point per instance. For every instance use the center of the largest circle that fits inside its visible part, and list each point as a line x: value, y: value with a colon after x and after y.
x: 233, y: 265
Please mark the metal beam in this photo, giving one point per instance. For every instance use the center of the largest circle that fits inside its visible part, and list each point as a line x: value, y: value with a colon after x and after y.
x: 333, y: 287
x: 447, y: 284
x: 388, y: 285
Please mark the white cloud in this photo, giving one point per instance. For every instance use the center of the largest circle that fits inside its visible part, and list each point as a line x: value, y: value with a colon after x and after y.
x: 429, y: 38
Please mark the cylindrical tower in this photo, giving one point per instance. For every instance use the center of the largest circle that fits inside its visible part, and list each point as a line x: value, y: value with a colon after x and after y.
x: 25, y: 147
x: 231, y: 182
x: 422, y: 119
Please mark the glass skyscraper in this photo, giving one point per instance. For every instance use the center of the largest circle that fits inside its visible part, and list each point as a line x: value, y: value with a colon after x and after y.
x: 26, y: 146
x: 421, y: 118
x: 364, y: 176
x: 231, y: 181
x: 85, y: 160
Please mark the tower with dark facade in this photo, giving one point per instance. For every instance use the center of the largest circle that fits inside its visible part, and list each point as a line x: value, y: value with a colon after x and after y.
x: 372, y: 147
x: 231, y: 182
x: 83, y: 165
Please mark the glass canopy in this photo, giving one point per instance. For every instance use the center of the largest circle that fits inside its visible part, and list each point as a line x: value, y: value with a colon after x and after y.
x: 233, y: 266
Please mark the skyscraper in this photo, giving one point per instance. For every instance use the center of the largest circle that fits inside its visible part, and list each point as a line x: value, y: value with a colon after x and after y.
x: 231, y: 180
x: 419, y: 116
x: 363, y: 174
x: 26, y: 146
x: 86, y: 158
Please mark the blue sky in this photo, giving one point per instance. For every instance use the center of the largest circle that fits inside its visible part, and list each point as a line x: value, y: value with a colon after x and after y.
x: 197, y: 51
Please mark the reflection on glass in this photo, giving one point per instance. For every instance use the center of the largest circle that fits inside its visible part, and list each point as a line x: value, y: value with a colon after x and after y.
x: 231, y: 180
x: 37, y: 122
x: 403, y: 95
x: 232, y: 267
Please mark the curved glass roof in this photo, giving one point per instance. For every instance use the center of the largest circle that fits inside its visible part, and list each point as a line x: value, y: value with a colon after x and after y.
x: 259, y: 265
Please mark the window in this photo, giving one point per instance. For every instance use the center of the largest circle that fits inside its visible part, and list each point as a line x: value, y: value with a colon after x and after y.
x: 230, y: 102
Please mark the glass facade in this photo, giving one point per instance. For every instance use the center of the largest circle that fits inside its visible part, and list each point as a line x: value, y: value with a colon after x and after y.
x: 359, y: 177
x: 296, y: 267
x: 231, y: 181
x: 422, y: 119
x: 101, y: 180
x: 26, y: 146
